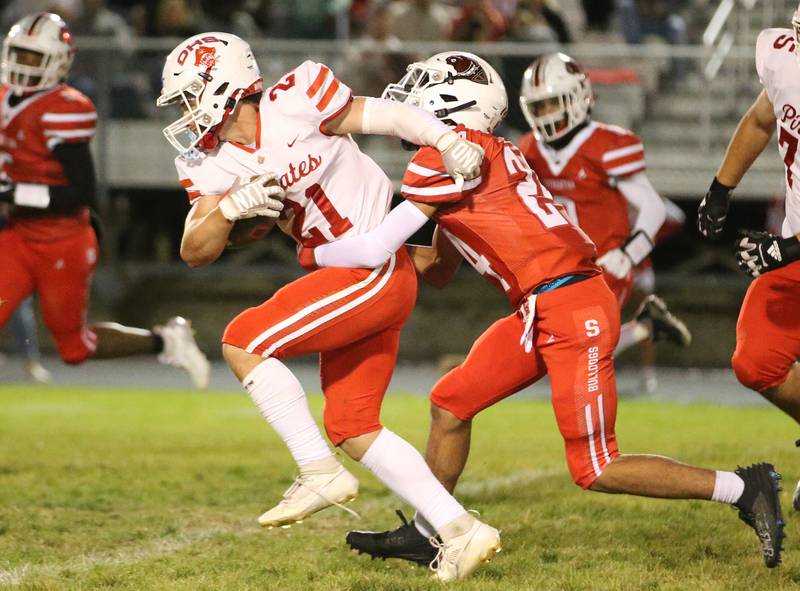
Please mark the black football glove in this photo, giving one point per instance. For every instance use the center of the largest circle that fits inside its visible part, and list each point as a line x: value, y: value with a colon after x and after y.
x: 714, y: 209
x: 759, y: 252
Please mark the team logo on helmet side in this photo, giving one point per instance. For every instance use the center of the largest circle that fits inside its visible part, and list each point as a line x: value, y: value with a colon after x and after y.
x: 467, y: 68
x: 205, y: 56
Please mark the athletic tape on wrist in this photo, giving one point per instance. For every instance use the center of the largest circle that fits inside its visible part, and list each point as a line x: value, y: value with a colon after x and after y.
x: 31, y: 195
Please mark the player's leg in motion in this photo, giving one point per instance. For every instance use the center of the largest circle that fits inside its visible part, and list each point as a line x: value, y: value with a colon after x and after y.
x: 63, y: 276
x: 580, y: 364
x: 768, y: 341
x: 358, y: 345
x: 23, y: 326
x: 456, y: 398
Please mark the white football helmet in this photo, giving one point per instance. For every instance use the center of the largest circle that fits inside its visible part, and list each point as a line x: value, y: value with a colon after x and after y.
x: 206, y: 75
x: 457, y: 87
x: 555, y: 76
x: 46, y: 35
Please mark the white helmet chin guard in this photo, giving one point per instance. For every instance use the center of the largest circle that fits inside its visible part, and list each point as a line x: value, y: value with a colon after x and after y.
x: 45, y: 34
x: 552, y: 77
x: 457, y: 87
x: 206, y: 75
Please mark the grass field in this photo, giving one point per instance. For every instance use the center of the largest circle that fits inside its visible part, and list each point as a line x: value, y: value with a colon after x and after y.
x: 160, y: 490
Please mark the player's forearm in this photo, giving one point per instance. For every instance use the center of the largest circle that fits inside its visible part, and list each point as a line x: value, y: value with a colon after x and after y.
x: 652, y: 211
x: 751, y: 137
x: 204, y: 239
x: 374, y: 116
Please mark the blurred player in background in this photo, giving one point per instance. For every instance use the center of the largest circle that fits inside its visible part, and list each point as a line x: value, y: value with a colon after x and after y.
x: 286, y: 150
x: 48, y: 245
x: 767, y: 335
x: 597, y: 172
x: 565, y: 322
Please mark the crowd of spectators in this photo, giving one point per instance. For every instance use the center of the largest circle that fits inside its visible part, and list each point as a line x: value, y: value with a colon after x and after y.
x: 376, y: 29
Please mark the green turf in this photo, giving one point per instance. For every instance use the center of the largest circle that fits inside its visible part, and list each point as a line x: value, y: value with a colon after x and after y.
x: 160, y: 490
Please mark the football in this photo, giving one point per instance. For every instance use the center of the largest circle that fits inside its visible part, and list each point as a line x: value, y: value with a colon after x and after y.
x: 249, y: 230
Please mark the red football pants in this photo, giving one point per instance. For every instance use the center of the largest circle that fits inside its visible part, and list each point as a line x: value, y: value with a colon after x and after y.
x: 768, y: 329
x: 577, y: 328
x: 60, y: 272
x: 352, y: 318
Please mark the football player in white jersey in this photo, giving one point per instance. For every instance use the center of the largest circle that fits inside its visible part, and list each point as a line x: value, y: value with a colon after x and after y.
x: 285, y: 152
x: 767, y: 339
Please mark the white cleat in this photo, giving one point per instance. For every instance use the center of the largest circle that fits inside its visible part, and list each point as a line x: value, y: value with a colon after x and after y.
x: 181, y: 350
x: 311, y: 493
x: 459, y: 556
x: 38, y: 372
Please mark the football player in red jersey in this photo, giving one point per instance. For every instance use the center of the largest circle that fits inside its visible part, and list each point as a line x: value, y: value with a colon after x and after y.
x: 597, y: 172
x: 565, y: 322
x: 49, y: 246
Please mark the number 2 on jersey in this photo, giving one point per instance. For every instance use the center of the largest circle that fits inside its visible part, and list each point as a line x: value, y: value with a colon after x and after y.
x: 532, y: 193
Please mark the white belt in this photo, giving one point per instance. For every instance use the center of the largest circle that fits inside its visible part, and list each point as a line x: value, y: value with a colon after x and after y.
x: 528, y: 311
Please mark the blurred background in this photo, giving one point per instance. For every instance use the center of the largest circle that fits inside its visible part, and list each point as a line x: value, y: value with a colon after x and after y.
x: 680, y: 73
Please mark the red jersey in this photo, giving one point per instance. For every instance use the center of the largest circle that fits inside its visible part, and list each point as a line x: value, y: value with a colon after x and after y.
x: 29, y: 130
x: 583, y: 177
x: 505, y: 223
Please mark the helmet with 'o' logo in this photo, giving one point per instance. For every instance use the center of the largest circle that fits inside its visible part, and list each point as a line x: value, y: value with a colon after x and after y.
x: 457, y: 87
x: 206, y: 75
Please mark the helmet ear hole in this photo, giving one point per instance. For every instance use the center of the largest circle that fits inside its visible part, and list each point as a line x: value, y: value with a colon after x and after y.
x: 221, y: 90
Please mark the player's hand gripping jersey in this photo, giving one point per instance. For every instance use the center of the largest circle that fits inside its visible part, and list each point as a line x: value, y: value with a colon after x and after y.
x: 777, y: 63
x: 505, y: 223
x: 332, y: 188
x: 583, y: 177
x: 30, y: 129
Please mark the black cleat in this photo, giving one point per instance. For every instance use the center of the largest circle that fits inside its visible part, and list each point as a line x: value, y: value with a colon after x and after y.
x: 760, y: 508
x: 666, y: 326
x: 405, y: 543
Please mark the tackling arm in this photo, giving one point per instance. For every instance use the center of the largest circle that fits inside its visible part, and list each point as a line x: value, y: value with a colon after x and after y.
x: 436, y: 264
x: 371, y: 249
x: 366, y: 115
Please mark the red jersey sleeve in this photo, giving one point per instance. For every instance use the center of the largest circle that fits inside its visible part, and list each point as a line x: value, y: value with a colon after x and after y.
x: 426, y: 180
x: 623, y: 155
x: 67, y: 116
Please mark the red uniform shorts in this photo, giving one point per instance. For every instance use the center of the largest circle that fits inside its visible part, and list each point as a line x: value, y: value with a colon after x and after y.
x: 352, y: 318
x: 577, y: 328
x: 768, y: 329
x: 59, y: 270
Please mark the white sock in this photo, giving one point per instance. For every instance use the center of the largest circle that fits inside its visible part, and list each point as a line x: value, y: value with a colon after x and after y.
x: 403, y: 469
x: 281, y: 400
x: 632, y: 333
x: 728, y: 487
x: 423, y: 527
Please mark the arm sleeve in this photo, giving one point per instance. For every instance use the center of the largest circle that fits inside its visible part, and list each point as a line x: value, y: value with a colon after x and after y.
x: 426, y: 181
x: 373, y: 248
x: 201, y: 177
x: 641, y: 194
x: 78, y: 164
x: 412, y: 124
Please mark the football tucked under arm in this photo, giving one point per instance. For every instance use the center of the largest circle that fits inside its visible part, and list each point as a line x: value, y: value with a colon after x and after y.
x: 375, y: 247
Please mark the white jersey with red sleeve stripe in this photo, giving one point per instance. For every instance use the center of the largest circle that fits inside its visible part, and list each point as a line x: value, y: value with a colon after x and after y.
x: 332, y: 188
x: 32, y: 126
x: 583, y: 177
x: 779, y: 71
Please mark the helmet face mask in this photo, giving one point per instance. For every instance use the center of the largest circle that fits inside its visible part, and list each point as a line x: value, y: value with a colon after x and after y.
x: 555, y: 79
x: 37, y: 54
x: 457, y: 87
x: 206, y: 76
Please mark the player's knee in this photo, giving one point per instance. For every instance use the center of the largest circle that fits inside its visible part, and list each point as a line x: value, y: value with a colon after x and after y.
x: 444, y: 420
x: 754, y: 372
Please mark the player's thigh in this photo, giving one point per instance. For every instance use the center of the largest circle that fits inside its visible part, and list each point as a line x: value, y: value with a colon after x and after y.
x: 579, y: 329
x: 496, y: 367
x: 354, y: 380
x: 16, y: 280
x: 768, y: 329
x: 326, y: 310
x: 63, y: 282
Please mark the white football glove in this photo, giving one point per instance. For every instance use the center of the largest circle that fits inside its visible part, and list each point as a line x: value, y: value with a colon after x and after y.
x: 254, y: 197
x: 461, y: 158
x: 616, y: 262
